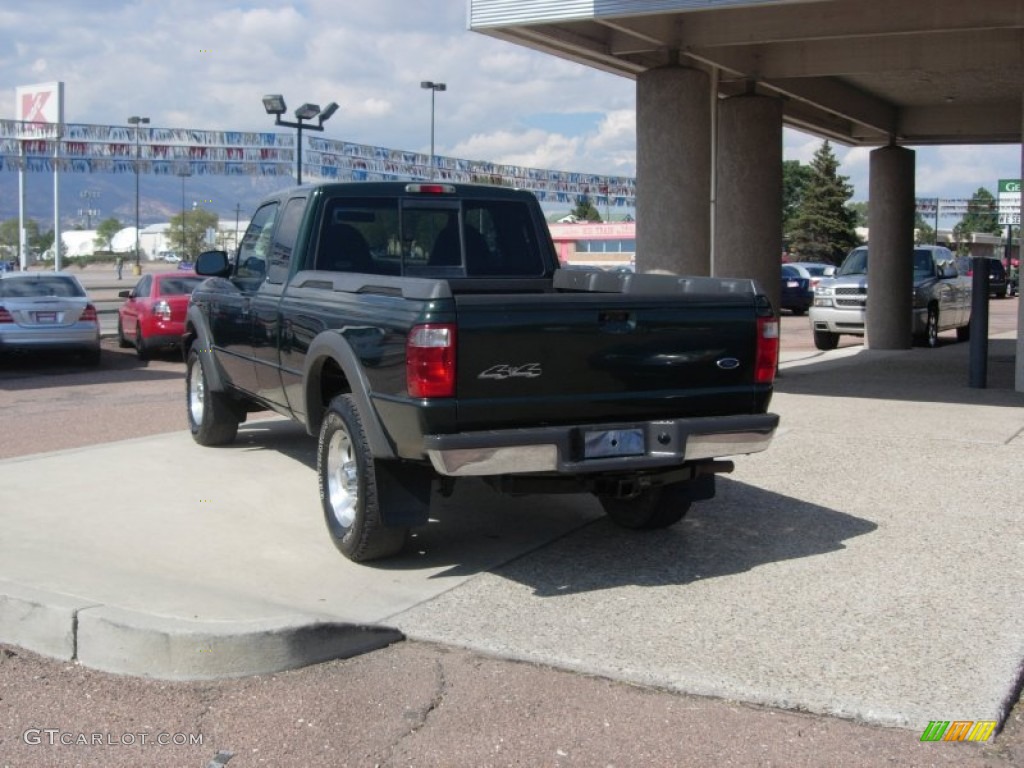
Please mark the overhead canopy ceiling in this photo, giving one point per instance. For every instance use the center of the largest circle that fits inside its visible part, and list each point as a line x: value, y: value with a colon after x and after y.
x: 862, y: 72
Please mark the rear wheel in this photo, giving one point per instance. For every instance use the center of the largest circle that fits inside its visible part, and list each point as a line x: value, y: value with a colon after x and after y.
x: 212, y: 418
x: 349, y: 491
x: 825, y: 340
x: 650, y: 509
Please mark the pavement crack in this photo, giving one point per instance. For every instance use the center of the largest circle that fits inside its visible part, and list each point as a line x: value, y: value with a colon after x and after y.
x: 419, y: 717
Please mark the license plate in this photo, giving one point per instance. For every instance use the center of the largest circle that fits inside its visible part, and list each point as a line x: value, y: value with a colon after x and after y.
x: 601, y: 443
x: 46, y: 317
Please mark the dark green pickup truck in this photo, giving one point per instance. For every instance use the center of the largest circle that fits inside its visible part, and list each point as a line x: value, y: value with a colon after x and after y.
x: 425, y: 332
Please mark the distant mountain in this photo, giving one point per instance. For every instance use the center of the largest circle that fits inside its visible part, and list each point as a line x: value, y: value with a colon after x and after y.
x: 160, y: 197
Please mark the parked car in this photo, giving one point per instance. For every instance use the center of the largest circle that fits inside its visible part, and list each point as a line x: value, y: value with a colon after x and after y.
x: 1000, y: 284
x: 813, y: 270
x: 153, y: 315
x: 170, y: 257
x: 941, y: 300
x: 797, y: 294
x: 47, y: 311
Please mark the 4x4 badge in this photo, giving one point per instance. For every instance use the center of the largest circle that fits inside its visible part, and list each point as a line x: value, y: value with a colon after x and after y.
x: 505, y: 371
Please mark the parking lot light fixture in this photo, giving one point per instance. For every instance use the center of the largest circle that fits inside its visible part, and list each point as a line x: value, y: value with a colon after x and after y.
x: 137, y: 121
x: 275, y: 105
x: 433, y: 88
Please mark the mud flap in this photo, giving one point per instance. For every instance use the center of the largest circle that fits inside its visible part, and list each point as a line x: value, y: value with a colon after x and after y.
x: 404, y: 493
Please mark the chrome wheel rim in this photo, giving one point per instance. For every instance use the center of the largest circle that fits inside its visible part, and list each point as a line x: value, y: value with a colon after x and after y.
x: 342, y: 479
x: 933, y: 329
x: 196, y: 394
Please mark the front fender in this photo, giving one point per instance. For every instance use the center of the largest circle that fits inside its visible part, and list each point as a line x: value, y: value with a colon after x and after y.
x: 331, y: 345
x: 197, y: 331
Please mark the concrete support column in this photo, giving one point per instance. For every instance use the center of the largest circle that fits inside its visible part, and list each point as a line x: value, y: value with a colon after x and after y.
x: 673, y: 178
x: 890, y: 267
x: 748, y: 212
x: 1019, y: 369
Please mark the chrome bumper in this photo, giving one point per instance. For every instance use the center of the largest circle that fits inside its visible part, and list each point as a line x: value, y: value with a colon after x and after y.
x: 562, y: 449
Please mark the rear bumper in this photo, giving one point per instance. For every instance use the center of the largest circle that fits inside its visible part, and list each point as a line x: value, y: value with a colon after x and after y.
x: 79, y: 336
x: 564, y: 450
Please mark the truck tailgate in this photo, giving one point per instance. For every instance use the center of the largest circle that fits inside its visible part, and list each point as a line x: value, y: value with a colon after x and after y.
x: 537, y: 359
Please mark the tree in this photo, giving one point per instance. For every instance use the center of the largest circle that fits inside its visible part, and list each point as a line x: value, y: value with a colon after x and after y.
x: 197, y: 221
x: 925, y: 233
x: 794, y: 180
x: 585, y: 210
x: 982, y: 216
x: 35, y: 242
x: 824, y: 226
x: 105, y: 232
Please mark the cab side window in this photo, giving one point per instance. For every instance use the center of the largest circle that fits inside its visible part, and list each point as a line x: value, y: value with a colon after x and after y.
x: 254, y: 251
x: 285, y: 234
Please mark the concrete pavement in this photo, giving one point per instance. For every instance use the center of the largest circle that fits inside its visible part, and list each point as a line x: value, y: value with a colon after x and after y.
x: 868, y: 565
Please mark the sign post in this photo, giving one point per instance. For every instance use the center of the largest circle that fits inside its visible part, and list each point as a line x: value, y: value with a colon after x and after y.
x: 40, y: 108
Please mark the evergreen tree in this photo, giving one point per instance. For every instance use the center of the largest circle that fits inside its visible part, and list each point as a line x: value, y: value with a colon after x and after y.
x: 190, y: 240
x: 585, y: 210
x: 824, y: 226
x: 982, y: 216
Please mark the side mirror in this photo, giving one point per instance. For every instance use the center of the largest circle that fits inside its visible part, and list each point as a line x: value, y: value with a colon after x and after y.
x: 213, y: 264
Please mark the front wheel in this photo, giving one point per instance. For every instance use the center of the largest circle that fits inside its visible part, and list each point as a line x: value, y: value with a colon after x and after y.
x: 650, y: 509
x: 825, y: 340
x: 349, y: 491
x: 122, y: 341
x: 212, y: 419
x: 931, y: 335
x: 141, y: 350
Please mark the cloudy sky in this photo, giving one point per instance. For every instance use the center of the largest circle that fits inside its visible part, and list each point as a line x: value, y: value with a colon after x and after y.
x: 207, y: 64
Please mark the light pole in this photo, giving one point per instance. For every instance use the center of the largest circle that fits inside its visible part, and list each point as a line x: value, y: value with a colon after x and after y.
x: 136, y: 121
x: 433, y: 88
x: 88, y: 195
x: 274, y: 104
x: 184, y: 172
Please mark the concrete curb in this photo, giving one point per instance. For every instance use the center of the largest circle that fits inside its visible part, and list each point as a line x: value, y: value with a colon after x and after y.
x: 169, y: 648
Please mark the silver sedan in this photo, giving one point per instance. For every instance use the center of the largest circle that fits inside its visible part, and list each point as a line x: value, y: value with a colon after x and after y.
x: 47, y: 311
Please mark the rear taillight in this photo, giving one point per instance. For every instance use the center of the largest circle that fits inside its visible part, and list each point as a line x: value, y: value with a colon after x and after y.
x: 767, y: 350
x: 430, y: 360
x: 162, y: 310
x: 5, y: 316
x: 88, y: 314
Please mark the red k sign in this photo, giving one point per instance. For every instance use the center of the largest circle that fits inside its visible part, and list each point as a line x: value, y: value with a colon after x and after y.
x: 40, y: 108
x: 33, y: 106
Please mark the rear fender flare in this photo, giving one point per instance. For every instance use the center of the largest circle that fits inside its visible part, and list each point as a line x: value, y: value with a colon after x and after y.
x: 332, y: 346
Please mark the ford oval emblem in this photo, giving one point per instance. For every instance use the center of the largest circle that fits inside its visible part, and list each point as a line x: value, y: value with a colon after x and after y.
x: 728, y: 363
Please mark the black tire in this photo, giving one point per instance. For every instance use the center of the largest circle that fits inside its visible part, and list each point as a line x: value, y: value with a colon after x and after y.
x: 346, y: 472
x: 931, y: 331
x: 141, y: 350
x: 651, y: 509
x: 122, y: 341
x: 963, y: 332
x: 212, y: 417
x: 825, y: 340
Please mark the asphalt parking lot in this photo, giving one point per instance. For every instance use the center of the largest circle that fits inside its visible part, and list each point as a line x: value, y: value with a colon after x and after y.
x: 866, y: 569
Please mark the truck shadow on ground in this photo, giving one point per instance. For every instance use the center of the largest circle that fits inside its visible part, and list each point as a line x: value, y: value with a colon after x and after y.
x: 561, y: 544
x: 743, y: 528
